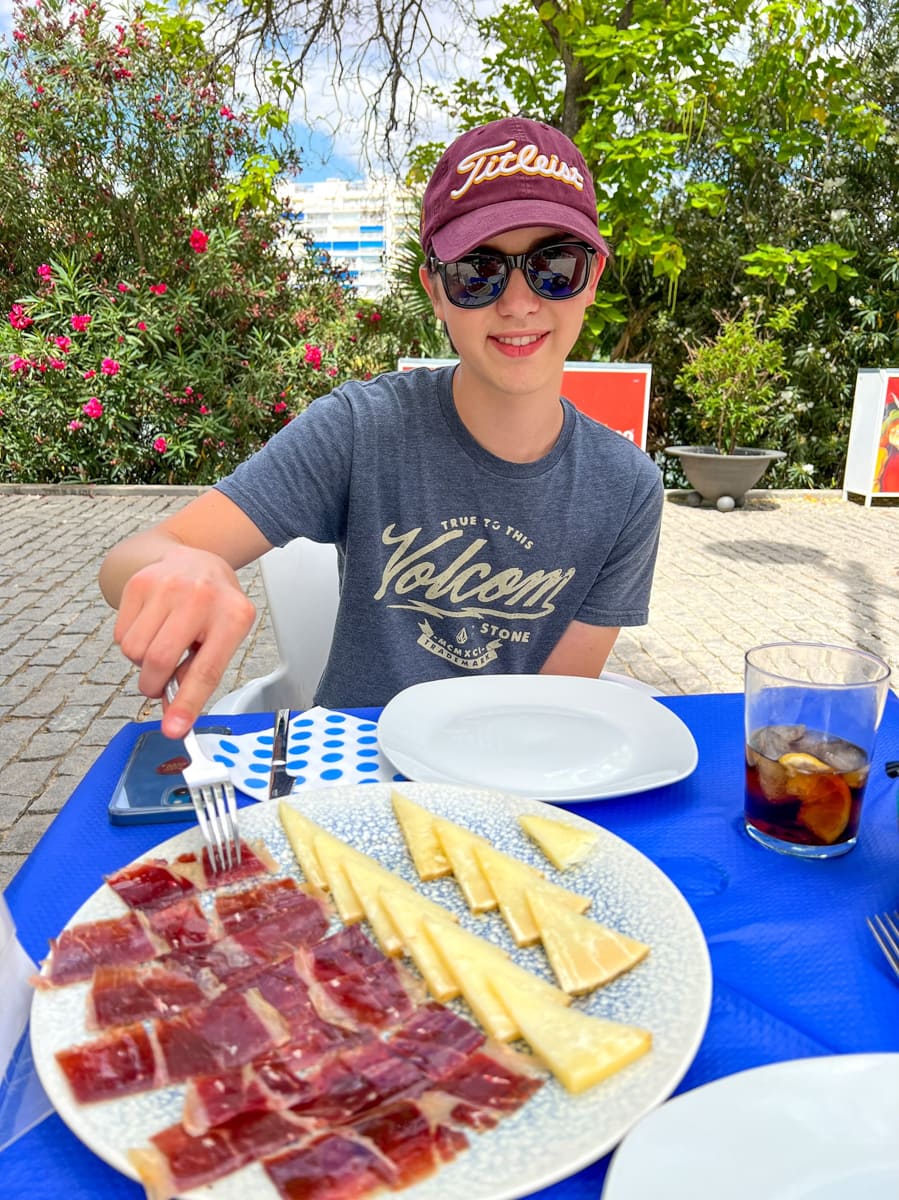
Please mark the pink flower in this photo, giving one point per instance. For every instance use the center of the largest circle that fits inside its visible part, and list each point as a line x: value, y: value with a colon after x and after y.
x: 159, y: 289
x: 123, y: 287
x: 90, y: 373
x: 226, y: 112
x: 17, y: 363
x: 18, y: 318
x: 57, y: 364
x: 160, y: 445
x: 142, y: 325
x: 75, y: 425
x: 313, y: 356
x: 80, y: 322
x: 203, y: 410
x: 44, y: 271
x: 109, y: 366
x: 63, y: 343
x: 332, y: 371
x: 279, y: 406
x: 199, y: 240
x: 93, y: 408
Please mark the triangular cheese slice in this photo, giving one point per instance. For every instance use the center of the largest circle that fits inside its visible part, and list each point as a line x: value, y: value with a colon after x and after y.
x: 408, y: 917
x: 580, y: 1050
x: 473, y: 961
x: 300, y: 833
x: 329, y: 852
x: 509, y: 881
x: 367, y: 884
x: 424, y: 846
x: 582, y: 953
x: 458, y: 846
x: 564, y: 845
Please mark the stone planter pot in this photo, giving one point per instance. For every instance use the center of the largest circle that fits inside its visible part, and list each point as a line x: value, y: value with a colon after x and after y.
x: 723, y: 479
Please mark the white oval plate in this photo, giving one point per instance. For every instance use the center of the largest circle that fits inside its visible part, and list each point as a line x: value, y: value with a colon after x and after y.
x: 550, y: 737
x: 807, y: 1129
x: 555, y: 1133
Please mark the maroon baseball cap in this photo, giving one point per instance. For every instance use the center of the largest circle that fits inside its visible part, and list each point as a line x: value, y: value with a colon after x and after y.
x: 507, y: 175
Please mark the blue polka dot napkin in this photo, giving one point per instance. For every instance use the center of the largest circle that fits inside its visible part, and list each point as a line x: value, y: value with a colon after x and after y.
x: 323, y: 748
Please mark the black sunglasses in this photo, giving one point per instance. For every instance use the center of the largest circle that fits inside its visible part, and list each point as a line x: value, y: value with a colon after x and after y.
x: 555, y: 272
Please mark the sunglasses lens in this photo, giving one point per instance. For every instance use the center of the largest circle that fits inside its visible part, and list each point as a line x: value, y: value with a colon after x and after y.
x: 558, y: 272
x: 475, y: 280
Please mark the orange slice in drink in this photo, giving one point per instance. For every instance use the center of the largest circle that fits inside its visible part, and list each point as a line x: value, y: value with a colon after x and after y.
x: 826, y: 804
x: 806, y: 763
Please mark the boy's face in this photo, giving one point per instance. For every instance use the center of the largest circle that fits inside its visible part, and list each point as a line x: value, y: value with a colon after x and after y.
x: 518, y: 344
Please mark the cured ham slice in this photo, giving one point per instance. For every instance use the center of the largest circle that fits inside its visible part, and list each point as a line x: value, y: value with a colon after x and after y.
x: 332, y: 1166
x: 275, y: 917
x: 436, y: 1039
x: 270, y: 1083
x: 123, y: 995
x: 346, y: 952
x: 183, y: 925
x: 415, y: 1146
x: 80, y: 949
x: 497, y: 1079
x: 156, y: 883
x: 153, y: 884
x: 226, y: 1032
x: 176, y: 1161
x: 114, y: 1065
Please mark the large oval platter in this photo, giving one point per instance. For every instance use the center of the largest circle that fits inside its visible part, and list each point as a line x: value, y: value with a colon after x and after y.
x: 555, y: 1133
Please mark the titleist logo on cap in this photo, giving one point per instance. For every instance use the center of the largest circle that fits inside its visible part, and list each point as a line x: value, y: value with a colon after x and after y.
x: 496, y: 162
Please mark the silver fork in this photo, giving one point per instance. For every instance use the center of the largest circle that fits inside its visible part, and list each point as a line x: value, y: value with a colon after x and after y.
x: 886, y: 933
x: 212, y: 795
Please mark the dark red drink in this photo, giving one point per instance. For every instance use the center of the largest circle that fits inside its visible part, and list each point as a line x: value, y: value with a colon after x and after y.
x: 804, y: 786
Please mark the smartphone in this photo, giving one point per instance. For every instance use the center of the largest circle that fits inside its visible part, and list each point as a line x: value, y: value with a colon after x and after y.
x: 151, y: 787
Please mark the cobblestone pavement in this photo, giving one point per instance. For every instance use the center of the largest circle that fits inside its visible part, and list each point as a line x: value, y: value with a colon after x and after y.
x: 805, y: 565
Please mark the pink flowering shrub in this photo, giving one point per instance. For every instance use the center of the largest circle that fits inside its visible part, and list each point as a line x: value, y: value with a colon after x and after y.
x: 147, y: 334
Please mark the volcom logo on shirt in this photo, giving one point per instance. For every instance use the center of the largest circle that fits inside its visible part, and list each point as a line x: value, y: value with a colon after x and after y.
x: 468, y: 586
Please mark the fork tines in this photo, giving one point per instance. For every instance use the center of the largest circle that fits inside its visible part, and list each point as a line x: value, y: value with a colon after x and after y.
x: 886, y: 933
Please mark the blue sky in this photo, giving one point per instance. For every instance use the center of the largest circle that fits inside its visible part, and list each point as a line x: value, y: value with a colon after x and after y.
x: 320, y: 159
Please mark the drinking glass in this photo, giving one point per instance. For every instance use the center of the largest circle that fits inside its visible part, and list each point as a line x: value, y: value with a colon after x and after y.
x: 812, y: 714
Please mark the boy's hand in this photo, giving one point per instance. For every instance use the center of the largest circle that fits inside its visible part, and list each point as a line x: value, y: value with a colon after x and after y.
x: 188, y: 601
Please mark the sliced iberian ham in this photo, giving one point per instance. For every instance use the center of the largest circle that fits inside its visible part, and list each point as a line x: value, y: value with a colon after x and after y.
x: 273, y: 917
x: 332, y: 1166
x: 123, y: 995
x: 436, y: 1039
x: 156, y: 882
x: 225, y: 1032
x: 77, y: 951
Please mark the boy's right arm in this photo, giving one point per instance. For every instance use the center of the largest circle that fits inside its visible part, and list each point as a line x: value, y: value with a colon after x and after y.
x: 177, y: 593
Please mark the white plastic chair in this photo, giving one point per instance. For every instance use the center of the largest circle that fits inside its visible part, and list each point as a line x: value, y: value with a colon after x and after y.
x: 302, y: 589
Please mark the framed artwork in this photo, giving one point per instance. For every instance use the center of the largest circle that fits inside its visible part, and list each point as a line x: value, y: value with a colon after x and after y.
x: 616, y: 394
x: 872, y: 459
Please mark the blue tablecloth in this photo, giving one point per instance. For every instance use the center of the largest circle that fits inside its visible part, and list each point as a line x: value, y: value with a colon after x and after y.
x: 796, y: 972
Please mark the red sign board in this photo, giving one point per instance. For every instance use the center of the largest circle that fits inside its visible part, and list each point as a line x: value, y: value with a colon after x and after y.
x: 617, y: 394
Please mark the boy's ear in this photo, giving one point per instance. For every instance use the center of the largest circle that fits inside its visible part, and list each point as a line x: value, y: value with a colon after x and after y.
x: 599, y: 265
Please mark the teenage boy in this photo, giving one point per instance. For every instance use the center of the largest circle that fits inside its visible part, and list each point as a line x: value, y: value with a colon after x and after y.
x: 483, y: 524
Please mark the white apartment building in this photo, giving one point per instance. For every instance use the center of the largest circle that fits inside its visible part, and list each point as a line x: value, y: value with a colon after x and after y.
x: 358, y: 222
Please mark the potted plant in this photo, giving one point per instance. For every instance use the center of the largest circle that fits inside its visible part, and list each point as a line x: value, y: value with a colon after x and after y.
x: 733, y: 380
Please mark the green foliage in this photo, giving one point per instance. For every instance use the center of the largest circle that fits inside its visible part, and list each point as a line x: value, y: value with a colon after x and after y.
x: 162, y: 320
x: 732, y: 379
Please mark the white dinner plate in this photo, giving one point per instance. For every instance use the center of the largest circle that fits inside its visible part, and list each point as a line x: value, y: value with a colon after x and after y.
x: 807, y: 1129
x: 555, y: 1133
x: 550, y: 737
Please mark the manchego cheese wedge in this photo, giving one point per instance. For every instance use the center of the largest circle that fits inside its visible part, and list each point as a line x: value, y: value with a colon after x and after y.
x: 458, y: 845
x: 301, y: 833
x: 582, y: 953
x: 366, y: 884
x: 473, y: 962
x: 424, y: 846
x: 509, y: 880
x: 408, y: 916
x: 579, y: 1049
x: 564, y: 845
x: 329, y: 853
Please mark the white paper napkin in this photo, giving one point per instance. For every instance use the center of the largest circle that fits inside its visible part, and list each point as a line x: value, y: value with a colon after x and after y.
x: 323, y: 748
x: 23, y: 1102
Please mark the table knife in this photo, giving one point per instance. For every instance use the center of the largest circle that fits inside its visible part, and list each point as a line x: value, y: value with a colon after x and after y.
x: 280, y: 783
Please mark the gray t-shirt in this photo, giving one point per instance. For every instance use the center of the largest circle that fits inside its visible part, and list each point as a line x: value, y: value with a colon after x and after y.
x: 453, y: 560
